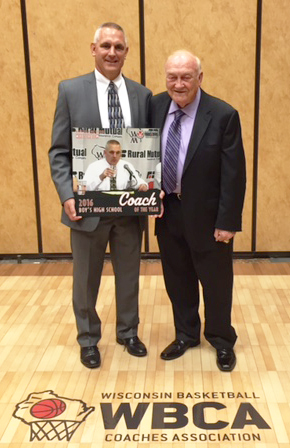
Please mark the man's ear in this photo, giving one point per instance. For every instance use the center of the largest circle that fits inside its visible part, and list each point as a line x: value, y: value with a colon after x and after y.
x: 200, y: 77
x: 93, y: 49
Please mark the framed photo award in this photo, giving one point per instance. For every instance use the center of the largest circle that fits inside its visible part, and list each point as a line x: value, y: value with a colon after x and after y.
x: 116, y: 171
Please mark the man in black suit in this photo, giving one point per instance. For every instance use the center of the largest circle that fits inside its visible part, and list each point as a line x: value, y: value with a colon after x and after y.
x: 204, y: 193
x: 84, y: 102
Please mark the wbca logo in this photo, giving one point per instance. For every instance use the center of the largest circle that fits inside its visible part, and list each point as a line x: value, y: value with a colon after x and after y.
x: 136, y: 136
x: 50, y: 416
x: 98, y: 151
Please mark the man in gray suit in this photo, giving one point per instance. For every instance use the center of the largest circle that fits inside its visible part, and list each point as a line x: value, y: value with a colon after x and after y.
x: 83, y: 102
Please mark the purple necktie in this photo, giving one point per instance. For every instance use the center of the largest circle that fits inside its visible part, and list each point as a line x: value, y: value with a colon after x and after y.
x: 114, y: 108
x: 171, y: 153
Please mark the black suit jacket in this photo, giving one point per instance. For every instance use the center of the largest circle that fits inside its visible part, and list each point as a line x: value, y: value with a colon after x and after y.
x: 77, y: 106
x: 214, y: 177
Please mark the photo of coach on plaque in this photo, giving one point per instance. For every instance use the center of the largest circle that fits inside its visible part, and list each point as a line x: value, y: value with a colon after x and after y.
x: 114, y: 171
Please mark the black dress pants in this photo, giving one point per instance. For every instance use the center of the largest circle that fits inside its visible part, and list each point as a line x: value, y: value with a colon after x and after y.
x: 185, y: 269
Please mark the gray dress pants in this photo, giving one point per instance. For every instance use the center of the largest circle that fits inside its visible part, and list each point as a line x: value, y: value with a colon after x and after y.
x: 88, y: 248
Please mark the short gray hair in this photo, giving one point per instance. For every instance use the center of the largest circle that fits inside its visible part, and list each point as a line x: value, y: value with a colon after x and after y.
x: 190, y: 55
x: 112, y: 142
x: 109, y: 25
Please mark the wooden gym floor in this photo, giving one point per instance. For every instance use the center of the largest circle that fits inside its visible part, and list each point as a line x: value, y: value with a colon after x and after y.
x: 48, y: 398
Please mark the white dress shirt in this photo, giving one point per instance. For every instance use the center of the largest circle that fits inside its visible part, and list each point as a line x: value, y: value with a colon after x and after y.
x: 102, y: 88
x: 123, y: 182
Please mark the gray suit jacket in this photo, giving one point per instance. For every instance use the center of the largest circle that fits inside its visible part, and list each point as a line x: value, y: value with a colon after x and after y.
x: 77, y: 106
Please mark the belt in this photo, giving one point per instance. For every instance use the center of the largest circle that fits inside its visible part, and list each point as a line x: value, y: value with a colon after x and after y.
x: 176, y: 195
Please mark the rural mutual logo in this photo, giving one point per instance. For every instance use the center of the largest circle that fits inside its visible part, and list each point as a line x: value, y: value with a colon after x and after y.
x: 51, y: 417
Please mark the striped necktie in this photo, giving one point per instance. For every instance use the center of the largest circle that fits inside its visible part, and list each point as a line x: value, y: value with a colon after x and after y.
x: 114, y: 108
x: 113, y: 180
x: 171, y: 153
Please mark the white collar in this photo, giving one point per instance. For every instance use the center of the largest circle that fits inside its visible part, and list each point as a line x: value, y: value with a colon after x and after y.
x: 104, y: 82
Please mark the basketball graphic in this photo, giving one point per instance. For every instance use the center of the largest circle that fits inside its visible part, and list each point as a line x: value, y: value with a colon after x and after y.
x: 50, y: 416
x: 48, y: 409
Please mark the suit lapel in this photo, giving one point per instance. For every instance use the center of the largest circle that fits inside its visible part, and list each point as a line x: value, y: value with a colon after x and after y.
x: 163, y: 108
x: 133, y: 101
x: 92, y: 100
x: 202, y: 120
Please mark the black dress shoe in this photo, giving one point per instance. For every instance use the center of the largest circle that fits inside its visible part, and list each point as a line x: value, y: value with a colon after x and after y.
x: 90, y: 357
x: 226, y: 359
x: 176, y: 349
x: 134, y: 346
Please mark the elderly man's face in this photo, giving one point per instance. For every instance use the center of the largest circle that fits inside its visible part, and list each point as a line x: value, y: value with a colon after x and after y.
x: 109, y: 52
x: 182, y: 79
x: 113, y: 154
